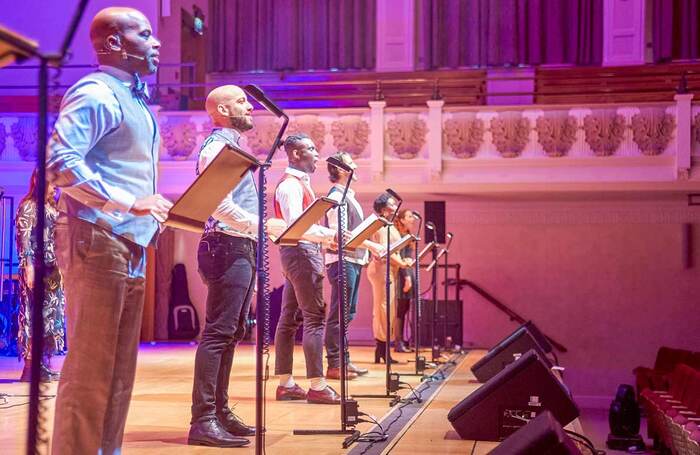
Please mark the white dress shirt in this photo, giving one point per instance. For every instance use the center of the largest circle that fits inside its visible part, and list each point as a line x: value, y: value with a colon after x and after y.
x: 229, y: 217
x: 290, y: 196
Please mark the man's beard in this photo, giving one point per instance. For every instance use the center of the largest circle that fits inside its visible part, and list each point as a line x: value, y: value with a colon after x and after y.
x: 240, y: 123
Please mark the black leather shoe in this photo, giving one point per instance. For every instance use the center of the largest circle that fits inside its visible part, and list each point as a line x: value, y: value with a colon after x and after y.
x: 211, y: 433
x: 234, y: 425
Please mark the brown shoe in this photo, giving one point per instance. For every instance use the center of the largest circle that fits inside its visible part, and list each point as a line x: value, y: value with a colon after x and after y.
x: 290, y: 393
x: 325, y: 396
x: 334, y: 373
x: 358, y: 370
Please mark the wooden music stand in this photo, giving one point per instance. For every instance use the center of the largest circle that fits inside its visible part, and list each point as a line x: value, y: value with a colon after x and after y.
x: 364, y: 231
x: 200, y: 200
x: 399, y: 244
x: 426, y: 248
x: 295, y: 231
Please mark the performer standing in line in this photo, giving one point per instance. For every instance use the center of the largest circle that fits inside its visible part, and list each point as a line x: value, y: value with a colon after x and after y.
x: 384, y: 206
x: 54, y: 301
x: 302, y: 266
x: 406, y: 278
x: 103, y: 155
x: 226, y: 258
x: 354, y: 262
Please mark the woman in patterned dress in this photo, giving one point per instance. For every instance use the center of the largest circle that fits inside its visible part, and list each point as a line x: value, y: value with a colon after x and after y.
x: 53, y: 309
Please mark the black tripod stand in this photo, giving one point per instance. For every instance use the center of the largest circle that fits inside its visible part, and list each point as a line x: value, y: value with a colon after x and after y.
x: 262, y: 310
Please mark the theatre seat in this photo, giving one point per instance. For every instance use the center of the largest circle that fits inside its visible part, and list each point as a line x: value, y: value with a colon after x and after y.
x: 666, y: 359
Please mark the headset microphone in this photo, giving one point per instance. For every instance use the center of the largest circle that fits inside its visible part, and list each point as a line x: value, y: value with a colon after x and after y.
x: 137, y: 57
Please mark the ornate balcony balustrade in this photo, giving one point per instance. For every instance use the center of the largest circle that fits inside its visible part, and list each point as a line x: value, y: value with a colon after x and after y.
x: 650, y: 146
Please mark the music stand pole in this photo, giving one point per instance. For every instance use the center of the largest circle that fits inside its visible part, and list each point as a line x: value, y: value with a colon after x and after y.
x: 417, y: 313
x: 434, y: 346
x: 450, y: 236
x: 262, y: 316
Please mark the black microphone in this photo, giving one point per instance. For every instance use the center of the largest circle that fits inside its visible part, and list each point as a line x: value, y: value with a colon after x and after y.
x: 255, y: 91
x: 393, y: 194
x: 416, y: 213
x: 338, y: 163
x: 430, y: 225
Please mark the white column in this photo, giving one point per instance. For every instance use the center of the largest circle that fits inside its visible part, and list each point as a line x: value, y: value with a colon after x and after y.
x: 376, y: 139
x: 683, y: 135
x: 435, y: 139
x: 395, y: 35
x: 623, y: 32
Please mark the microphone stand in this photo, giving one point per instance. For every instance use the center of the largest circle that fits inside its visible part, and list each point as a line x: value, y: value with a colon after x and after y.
x: 391, y: 385
x: 450, y: 237
x: 262, y: 309
x: 433, y: 267
x: 348, y: 408
x: 417, y: 313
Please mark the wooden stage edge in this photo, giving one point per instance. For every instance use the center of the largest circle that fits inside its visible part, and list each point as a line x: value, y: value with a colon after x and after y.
x: 159, y: 415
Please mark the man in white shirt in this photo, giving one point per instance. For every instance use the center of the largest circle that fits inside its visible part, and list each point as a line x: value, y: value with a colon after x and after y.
x: 226, y: 258
x: 303, y: 270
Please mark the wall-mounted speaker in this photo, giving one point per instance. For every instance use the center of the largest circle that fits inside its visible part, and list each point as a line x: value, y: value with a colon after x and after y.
x: 506, y: 351
x: 541, y: 436
x: 516, y: 395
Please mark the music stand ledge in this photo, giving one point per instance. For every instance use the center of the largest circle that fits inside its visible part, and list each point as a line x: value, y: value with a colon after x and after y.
x: 192, y: 210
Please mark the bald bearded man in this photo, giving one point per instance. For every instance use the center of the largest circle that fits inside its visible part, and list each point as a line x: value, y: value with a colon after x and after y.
x: 103, y: 155
x: 226, y: 258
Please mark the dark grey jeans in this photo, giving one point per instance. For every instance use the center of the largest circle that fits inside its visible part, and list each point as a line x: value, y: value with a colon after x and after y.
x: 227, y: 266
x: 104, y: 304
x: 352, y: 283
x: 302, y: 266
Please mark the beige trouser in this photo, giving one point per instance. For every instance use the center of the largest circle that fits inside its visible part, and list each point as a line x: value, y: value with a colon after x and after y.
x: 376, y: 273
x: 104, y: 304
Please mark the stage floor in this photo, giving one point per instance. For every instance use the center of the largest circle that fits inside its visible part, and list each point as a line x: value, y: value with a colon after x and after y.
x: 160, y: 408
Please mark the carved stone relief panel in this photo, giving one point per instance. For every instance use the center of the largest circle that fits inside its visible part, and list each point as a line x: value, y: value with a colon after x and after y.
x: 261, y: 137
x: 652, y: 130
x: 24, y: 135
x: 178, y: 137
x: 604, y: 131
x: 310, y: 125
x: 406, y: 134
x: 350, y: 134
x: 3, y: 138
x: 464, y: 134
x: 511, y: 133
x: 556, y: 132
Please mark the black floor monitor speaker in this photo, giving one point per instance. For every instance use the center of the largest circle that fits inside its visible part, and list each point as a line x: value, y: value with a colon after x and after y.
x: 505, y: 352
x: 449, y: 322
x: 541, y: 436
x: 520, y: 392
x: 539, y: 336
